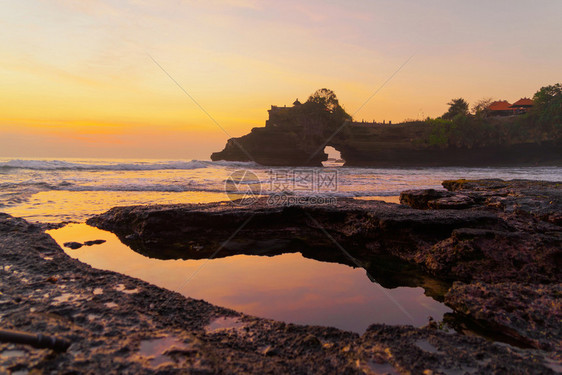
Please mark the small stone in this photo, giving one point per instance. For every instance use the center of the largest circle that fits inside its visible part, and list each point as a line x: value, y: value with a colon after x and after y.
x: 52, y: 279
x: 269, y: 351
x: 458, y: 201
x: 420, y: 198
x: 94, y: 242
x: 311, y: 341
x: 73, y: 245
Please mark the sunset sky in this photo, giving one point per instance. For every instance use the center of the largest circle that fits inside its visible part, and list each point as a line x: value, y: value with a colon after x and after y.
x: 77, y: 78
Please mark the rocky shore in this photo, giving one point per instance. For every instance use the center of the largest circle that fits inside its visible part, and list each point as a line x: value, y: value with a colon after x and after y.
x: 491, y: 249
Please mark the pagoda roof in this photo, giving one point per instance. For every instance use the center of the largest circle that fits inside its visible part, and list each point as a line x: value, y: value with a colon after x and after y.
x: 500, y: 105
x: 524, y: 102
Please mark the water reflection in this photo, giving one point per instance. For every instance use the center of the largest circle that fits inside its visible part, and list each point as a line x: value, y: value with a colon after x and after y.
x: 288, y: 287
x: 159, y: 352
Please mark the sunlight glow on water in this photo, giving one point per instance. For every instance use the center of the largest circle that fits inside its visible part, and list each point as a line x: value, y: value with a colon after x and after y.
x: 55, y: 206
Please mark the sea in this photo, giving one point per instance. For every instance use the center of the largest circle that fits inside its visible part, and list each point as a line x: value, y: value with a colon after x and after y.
x: 71, y: 190
x: 286, y: 287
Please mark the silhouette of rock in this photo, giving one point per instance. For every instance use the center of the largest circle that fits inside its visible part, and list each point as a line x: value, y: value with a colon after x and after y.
x: 296, y: 136
x: 94, y: 242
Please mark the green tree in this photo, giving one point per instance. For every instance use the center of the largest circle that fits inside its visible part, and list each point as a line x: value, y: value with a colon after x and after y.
x: 547, y: 112
x: 546, y: 94
x: 440, y: 129
x: 456, y: 107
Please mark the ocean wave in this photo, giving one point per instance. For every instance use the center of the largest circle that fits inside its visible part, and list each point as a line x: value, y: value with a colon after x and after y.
x: 215, y: 187
x: 236, y: 164
x: 163, y: 188
x: 30, y: 187
x: 27, y: 184
x: 50, y: 165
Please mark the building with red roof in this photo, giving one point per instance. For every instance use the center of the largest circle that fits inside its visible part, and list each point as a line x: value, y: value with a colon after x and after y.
x: 524, y: 102
x: 503, y: 108
x: 522, y: 105
x: 500, y: 108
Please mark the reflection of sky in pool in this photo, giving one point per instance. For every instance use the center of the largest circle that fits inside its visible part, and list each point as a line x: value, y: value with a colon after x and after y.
x: 285, y: 287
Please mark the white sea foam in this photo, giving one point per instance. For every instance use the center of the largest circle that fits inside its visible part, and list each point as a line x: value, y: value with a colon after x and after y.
x: 111, y: 166
x: 236, y: 164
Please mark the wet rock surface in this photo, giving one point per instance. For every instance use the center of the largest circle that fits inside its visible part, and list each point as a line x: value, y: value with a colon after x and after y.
x: 529, y: 246
x: 511, y: 278
x: 530, y: 313
x: 119, y: 324
x: 441, y: 353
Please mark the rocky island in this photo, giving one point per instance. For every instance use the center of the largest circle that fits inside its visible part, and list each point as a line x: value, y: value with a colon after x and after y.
x: 297, y: 136
x: 491, y: 249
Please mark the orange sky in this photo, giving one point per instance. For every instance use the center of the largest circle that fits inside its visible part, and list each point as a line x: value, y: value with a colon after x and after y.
x: 77, y: 79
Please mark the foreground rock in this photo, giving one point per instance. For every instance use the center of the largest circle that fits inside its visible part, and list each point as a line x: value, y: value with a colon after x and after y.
x: 490, y: 232
x: 515, y: 274
x: 529, y: 313
x: 527, y: 249
x: 121, y: 324
x: 517, y: 239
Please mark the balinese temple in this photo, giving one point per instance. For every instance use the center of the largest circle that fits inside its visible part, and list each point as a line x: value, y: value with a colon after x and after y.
x: 500, y: 108
x: 522, y: 105
x: 503, y: 108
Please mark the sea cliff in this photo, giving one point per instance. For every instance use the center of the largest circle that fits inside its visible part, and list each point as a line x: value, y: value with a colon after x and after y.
x: 296, y: 136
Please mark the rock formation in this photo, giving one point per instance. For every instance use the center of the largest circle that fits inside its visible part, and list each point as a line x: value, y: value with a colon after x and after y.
x: 296, y: 136
x: 485, y: 234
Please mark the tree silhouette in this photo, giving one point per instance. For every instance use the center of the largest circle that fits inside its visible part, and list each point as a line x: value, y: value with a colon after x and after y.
x: 480, y: 108
x: 456, y: 107
x: 325, y: 100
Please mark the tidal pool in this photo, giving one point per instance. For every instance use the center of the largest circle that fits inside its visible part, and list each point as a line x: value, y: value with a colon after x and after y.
x: 286, y: 287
